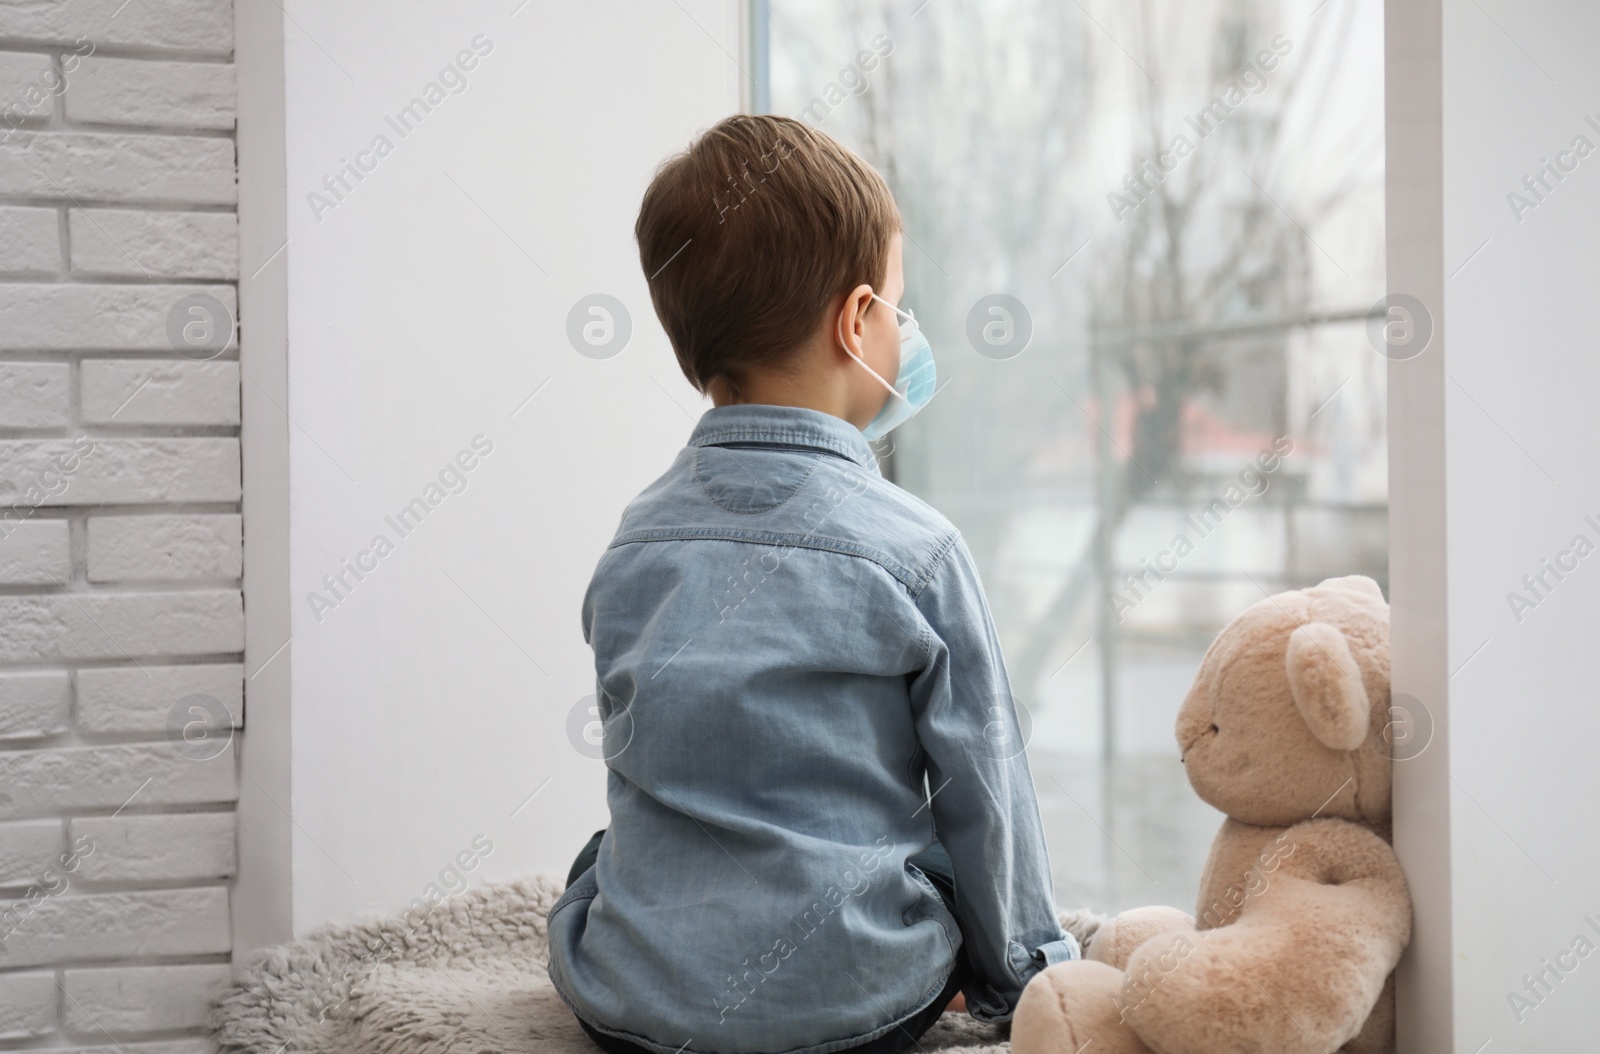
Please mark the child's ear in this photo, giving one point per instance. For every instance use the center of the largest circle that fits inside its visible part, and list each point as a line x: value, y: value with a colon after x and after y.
x: 1327, y: 686
x: 850, y: 322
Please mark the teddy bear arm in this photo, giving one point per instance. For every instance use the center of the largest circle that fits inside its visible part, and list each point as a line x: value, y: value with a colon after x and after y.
x: 1366, y: 870
x: 1118, y: 936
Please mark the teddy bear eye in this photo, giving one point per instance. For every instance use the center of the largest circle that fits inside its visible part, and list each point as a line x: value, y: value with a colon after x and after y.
x: 1214, y: 728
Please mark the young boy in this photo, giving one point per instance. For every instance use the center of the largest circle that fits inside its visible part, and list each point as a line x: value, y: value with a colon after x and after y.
x: 793, y: 655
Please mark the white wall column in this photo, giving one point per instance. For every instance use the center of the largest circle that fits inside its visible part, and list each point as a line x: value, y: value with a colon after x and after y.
x: 1493, y: 226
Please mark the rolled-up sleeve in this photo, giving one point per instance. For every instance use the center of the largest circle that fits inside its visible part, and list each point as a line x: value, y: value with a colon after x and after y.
x: 984, y: 807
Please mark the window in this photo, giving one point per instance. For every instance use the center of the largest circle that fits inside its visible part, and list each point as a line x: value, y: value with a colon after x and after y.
x: 1144, y: 241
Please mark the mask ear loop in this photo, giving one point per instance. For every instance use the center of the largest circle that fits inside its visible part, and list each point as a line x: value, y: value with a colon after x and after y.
x: 898, y: 311
x: 862, y: 361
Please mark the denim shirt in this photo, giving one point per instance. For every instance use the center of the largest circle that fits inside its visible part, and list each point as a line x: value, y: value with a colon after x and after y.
x: 792, y: 654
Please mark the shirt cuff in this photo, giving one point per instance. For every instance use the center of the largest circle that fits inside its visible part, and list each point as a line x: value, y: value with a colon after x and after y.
x: 1024, y: 964
x: 1064, y: 950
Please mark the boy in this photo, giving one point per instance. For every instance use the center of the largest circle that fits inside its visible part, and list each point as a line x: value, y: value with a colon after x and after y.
x: 792, y: 655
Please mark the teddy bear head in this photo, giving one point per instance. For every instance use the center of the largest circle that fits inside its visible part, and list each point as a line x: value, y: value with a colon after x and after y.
x: 1287, y: 717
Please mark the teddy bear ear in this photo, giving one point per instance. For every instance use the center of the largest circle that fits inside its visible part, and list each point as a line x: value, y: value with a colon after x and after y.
x: 1327, y: 686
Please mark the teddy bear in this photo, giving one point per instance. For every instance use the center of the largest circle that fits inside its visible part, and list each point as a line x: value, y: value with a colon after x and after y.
x: 1303, y: 909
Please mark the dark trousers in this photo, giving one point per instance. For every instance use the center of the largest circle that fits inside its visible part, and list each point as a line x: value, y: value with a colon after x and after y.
x: 933, y: 862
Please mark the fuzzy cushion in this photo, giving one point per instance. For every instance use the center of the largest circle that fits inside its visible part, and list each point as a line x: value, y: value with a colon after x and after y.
x: 470, y: 978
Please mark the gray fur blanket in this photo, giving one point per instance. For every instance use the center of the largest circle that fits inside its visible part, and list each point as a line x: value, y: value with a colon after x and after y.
x: 468, y: 978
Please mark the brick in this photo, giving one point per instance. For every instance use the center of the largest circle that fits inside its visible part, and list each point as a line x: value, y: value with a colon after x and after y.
x: 159, y: 392
x: 28, y: 849
x: 117, y: 925
x: 145, y: 92
x: 54, y: 627
x: 130, y: 699
x: 142, y: 998
x: 115, y: 471
x: 34, y: 394
x: 31, y: 240
x: 128, y: 548
x: 34, y: 704
x: 106, y: 777
x: 186, y: 846
x: 27, y: 1005
x: 28, y: 86
x: 168, y: 1046
x: 35, y: 553
x: 191, y: 25
x: 117, y: 167
x: 131, y: 243
x: 112, y: 317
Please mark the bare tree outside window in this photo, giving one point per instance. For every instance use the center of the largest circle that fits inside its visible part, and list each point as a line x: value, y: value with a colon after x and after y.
x: 1144, y: 239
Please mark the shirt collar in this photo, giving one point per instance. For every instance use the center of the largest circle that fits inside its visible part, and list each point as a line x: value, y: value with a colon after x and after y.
x: 760, y: 423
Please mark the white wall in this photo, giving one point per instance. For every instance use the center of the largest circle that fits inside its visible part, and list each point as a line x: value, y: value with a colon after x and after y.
x: 424, y: 309
x: 1505, y: 796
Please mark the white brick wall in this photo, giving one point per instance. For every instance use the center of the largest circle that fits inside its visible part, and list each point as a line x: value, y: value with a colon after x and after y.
x: 141, y: 998
x: 35, y: 554
x: 121, y: 618
x: 32, y: 239
x: 118, y: 167
x: 175, y: 25
x: 27, y: 1004
x: 131, y: 548
x: 157, y: 848
x: 34, y: 704
x: 27, y: 849
x: 19, y: 72
x: 155, y: 923
x: 139, y: 91
x: 139, y: 698
x: 63, y: 317
x: 124, y: 471
x: 160, y: 392
x: 128, y: 243
x: 35, y: 394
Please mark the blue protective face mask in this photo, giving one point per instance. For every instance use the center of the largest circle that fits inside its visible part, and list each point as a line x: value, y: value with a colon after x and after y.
x: 913, y: 385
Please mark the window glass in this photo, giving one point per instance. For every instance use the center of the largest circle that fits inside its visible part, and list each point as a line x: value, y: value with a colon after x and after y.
x: 1144, y: 240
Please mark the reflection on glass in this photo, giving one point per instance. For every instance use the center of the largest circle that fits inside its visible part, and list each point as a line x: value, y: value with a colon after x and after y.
x: 1143, y: 239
